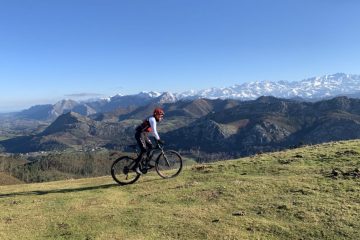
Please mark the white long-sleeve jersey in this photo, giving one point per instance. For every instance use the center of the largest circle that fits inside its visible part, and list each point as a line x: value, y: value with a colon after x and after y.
x: 153, y: 123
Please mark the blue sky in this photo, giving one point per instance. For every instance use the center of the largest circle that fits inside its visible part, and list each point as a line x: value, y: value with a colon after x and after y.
x: 50, y: 50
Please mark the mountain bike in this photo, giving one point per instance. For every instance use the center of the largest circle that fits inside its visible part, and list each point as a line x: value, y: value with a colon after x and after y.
x: 167, y: 163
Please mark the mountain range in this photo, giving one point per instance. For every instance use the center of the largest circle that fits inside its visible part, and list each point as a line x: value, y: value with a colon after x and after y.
x: 213, y: 126
x: 316, y: 88
x: 125, y: 103
x: 312, y: 89
x: 283, y: 114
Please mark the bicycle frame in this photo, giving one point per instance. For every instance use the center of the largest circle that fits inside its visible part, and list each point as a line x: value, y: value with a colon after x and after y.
x: 151, y: 152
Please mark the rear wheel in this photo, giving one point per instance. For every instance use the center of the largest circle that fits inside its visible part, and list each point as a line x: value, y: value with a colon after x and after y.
x: 168, y: 164
x: 121, y: 170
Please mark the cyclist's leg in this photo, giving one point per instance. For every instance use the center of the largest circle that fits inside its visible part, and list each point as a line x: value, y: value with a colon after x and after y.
x: 144, y: 143
x: 149, y: 146
x: 141, y: 141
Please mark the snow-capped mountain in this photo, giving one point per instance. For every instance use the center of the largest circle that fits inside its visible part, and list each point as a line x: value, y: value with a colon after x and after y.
x: 312, y: 88
x: 166, y: 97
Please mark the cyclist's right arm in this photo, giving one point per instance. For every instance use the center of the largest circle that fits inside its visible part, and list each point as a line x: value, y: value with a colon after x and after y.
x: 152, y: 122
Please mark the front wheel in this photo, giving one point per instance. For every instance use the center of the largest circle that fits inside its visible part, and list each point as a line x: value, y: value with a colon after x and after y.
x: 168, y: 164
x: 121, y: 170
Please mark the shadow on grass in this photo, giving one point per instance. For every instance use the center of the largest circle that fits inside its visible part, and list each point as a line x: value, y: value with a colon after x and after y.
x: 69, y: 190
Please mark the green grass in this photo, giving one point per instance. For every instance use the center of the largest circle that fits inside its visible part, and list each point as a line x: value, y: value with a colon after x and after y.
x: 285, y: 195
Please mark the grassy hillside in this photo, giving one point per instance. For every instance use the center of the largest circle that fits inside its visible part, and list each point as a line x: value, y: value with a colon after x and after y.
x: 6, y: 179
x: 307, y: 193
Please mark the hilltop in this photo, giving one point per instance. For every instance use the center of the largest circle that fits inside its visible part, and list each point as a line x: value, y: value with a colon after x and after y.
x: 305, y: 193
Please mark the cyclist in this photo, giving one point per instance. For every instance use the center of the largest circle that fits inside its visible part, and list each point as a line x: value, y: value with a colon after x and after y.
x: 142, y: 132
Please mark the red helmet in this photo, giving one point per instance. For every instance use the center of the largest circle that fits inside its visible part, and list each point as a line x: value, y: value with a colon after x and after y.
x: 158, y: 111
